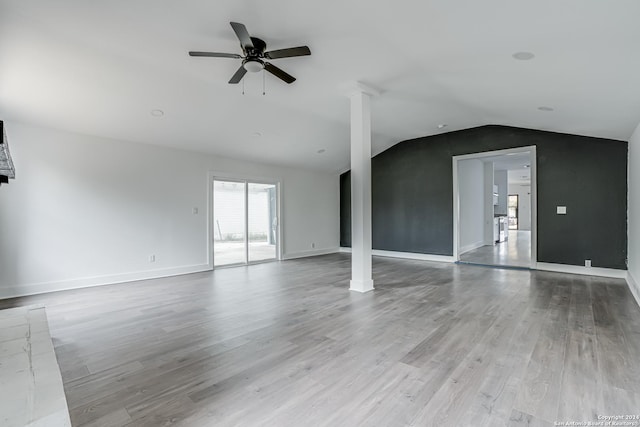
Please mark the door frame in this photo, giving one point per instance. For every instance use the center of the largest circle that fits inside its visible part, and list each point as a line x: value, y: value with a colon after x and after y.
x: 534, y: 196
x: 246, y: 179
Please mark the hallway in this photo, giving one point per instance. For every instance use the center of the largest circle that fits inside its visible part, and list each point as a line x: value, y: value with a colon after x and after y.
x: 515, y: 252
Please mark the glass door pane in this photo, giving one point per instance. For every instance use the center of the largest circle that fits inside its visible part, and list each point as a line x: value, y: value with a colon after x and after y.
x: 229, y: 226
x: 513, y: 211
x: 263, y: 222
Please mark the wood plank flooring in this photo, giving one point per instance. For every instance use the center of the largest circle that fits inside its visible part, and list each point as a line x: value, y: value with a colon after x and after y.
x: 286, y: 344
x: 515, y: 252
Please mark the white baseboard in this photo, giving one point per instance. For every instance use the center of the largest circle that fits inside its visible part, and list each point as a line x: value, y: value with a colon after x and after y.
x: 633, y: 287
x: 587, y: 271
x: 361, y: 286
x: 85, y: 282
x: 472, y: 246
x: 305, y: 254
x: 413, y: 255
x: 406, y: 255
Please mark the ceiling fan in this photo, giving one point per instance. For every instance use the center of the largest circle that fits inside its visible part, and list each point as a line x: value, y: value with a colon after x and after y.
x: 255, y: 55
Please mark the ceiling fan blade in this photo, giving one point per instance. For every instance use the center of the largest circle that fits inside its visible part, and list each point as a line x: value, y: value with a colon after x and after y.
x: 287, y: 78
x: 216, y: 55
x: 288, y: 53
x: 238, y: 75
x: 243, y: 35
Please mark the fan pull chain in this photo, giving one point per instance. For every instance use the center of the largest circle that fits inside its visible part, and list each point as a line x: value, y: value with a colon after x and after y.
x: 243, y: 86
x: 263, y: 87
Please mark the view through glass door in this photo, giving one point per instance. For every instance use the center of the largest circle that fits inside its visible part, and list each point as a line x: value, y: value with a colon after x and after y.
x: 512, y: 211
x: 262, y: 221
x: 245, y: 223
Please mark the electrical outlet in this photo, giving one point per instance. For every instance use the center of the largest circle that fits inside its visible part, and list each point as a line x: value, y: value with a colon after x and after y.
x: 587, y: 263
x: 195, y: 211
x: 152, y: 258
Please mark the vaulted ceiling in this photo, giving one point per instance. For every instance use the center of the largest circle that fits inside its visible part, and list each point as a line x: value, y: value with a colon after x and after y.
x: 100, y: 68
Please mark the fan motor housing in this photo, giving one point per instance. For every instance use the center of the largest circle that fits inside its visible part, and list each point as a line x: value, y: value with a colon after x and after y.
x: 259, y: 46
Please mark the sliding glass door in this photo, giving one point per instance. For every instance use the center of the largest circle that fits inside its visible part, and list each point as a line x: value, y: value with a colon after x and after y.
x: 263, y: 223
x: 229, y: 223
x: 245, y: 222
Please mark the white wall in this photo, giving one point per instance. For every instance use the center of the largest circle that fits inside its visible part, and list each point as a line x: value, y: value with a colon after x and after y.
x: 472, y: 203
x: 488, y: 203
x: 634, y: 213
x: 85, y: 210
x: 524, y: 205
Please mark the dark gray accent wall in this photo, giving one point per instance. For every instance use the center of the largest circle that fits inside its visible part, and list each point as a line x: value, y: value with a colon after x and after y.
x: 345, y: 210
x: 412, y: 194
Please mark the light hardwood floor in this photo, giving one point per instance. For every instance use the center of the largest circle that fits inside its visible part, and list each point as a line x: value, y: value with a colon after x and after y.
x: 515, y: 252
x: 286, y: 344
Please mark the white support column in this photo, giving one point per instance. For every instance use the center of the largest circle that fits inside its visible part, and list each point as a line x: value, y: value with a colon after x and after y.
x: 361, y: 278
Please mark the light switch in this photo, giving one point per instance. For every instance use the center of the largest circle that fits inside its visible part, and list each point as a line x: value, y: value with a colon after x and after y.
x: 561, y: 210
x: 195, y: 211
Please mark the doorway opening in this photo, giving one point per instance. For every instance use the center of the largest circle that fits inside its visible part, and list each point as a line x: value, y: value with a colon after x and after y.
x: 512, y: 211
x: 245, y: 226
x: 495, y: 208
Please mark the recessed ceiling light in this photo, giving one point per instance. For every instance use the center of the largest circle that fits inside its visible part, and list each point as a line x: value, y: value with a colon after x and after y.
x: 442, y: 126
x: 157, y: 113
x: 523, y: 56
x: 545, y: 108
x: 322, y: 150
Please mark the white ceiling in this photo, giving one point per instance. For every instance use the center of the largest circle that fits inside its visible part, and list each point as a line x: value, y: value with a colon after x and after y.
x: 519, y: 176
x: 517, y: 165
x: 507, y: 162
x: 100, y: 67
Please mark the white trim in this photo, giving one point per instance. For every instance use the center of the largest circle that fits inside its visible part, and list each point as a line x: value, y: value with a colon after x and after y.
x: 413, y: 255
x: 406, y: 255
x: 85, y: 282
x: 279, y: 213
x: 361, y: 286
x: 534, y: 196
x: 315, y: 252
x: 586, y: 271
x: 472, y: 246
x: 357, y: 87
x: 456, y: 210
x: 210, y: 231
x: 533, y: 167
x: 633, y: 287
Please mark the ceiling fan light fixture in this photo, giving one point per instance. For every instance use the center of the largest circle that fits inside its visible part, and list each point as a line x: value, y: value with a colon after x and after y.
x: 253, y: 65
x: 255, y: 53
